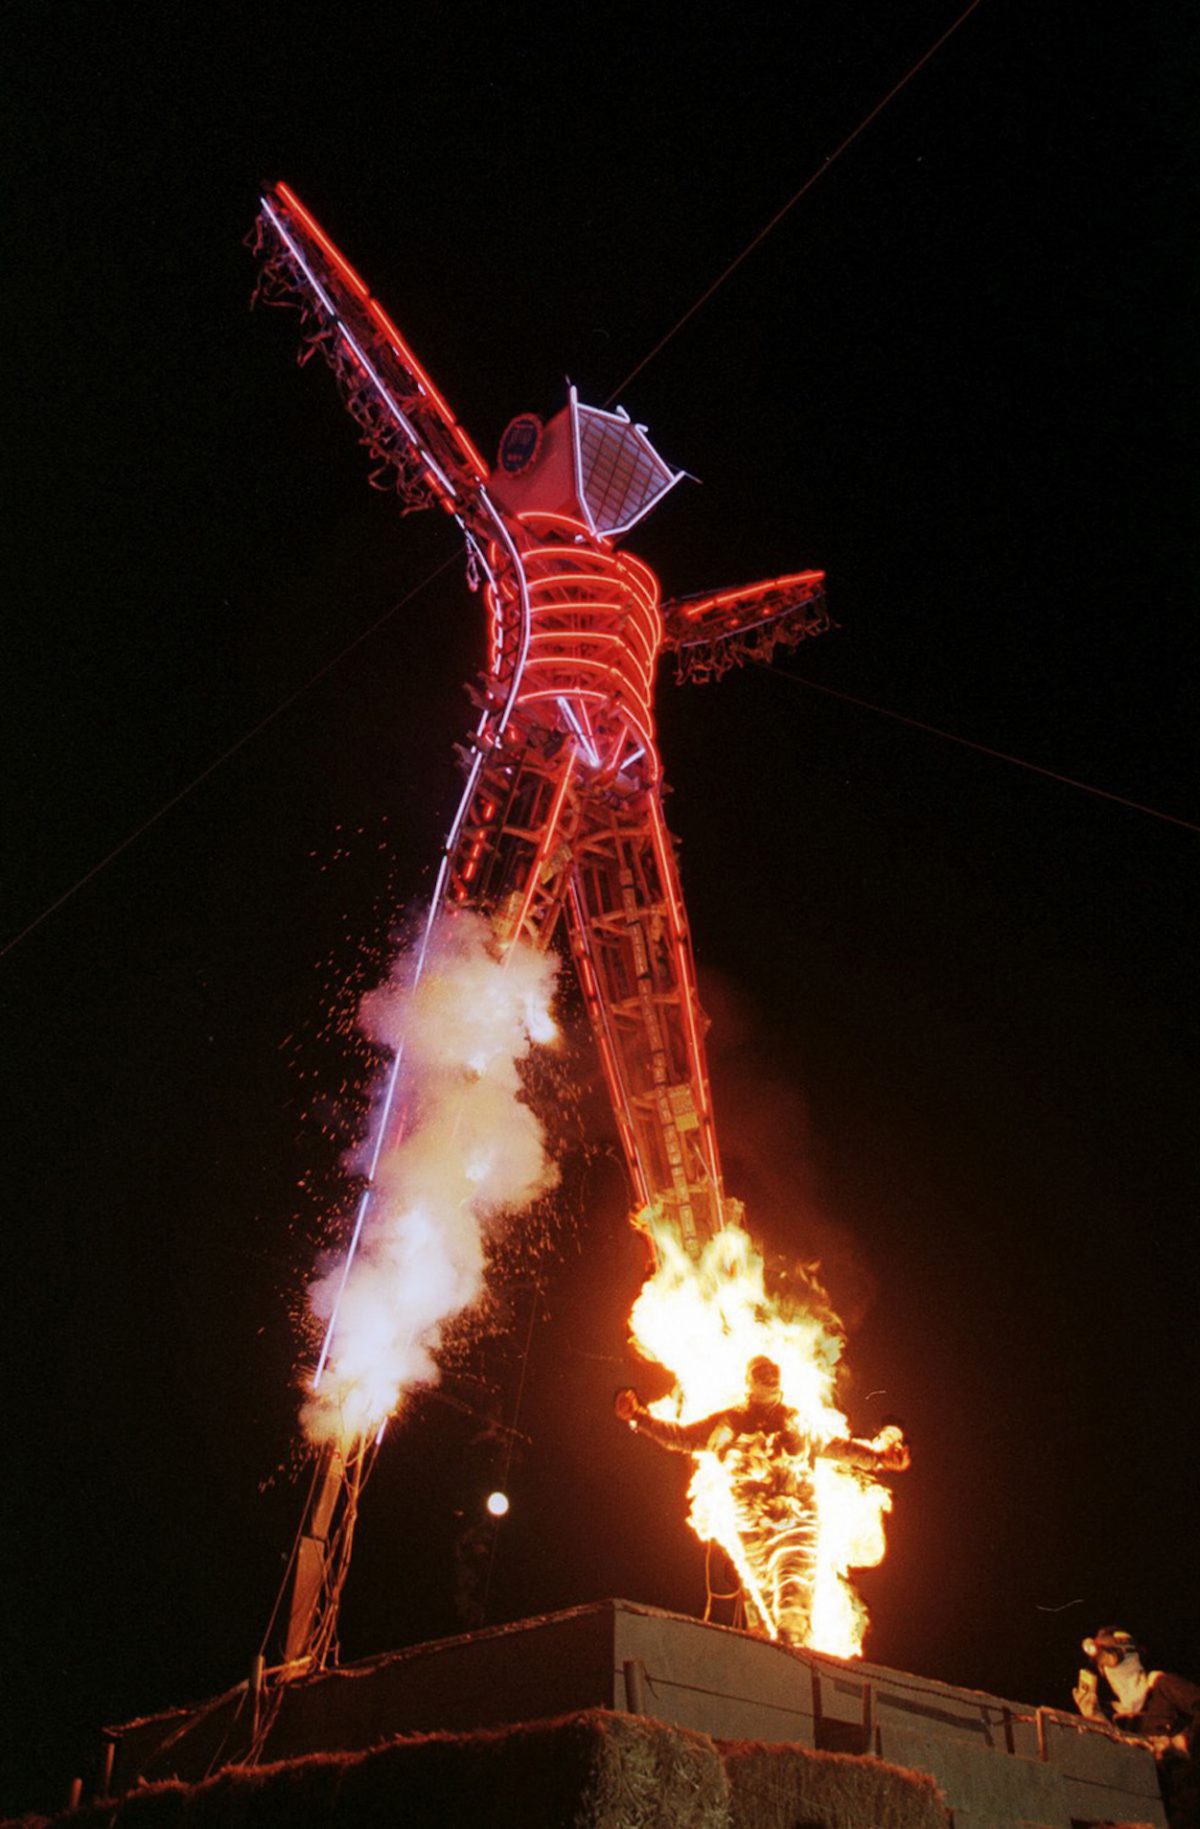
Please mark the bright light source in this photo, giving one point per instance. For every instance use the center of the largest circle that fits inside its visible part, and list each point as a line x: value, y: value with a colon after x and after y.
x: 497, y: 1503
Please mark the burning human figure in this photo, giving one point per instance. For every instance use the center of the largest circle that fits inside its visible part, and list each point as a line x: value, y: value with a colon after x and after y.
x: 769, y: 1460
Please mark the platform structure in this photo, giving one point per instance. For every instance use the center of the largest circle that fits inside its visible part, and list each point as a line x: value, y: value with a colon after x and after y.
x: 999, y: 1763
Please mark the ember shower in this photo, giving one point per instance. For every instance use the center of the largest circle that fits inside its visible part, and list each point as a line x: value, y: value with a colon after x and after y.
x: 560, y: 825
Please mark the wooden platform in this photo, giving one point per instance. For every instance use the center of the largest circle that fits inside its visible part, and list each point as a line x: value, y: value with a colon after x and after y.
x: 999, y: 1763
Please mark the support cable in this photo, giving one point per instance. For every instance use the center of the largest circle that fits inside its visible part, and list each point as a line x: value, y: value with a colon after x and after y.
x: 512, y: 1436
x: 792, y: 201
x: 291, y: 1561
x: 246, y: 737
x: 985, y: 749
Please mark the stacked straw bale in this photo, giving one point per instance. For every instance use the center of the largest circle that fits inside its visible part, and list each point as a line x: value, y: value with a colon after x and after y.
x: 592, y: 1770
x: 788, y: 1787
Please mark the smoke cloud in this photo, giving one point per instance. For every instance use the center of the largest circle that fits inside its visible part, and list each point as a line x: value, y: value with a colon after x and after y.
x: 463, y: 1154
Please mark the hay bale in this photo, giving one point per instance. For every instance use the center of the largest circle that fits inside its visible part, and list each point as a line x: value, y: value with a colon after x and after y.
x: 160, y: 1806
x: 645, y: 1775
x: 592, y: 1770
x: 281, y: 1796
x: 789, y: 1787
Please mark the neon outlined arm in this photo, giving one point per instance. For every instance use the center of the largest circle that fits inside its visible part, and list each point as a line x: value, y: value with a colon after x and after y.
x: 406, y: 423
x: 714, y: 630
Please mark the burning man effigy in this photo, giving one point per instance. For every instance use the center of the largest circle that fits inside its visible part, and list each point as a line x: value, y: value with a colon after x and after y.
x: 770, y: 1463
x: 560, y: 832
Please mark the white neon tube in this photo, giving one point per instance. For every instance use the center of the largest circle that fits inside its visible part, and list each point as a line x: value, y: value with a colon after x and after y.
x: 384, y: 393
x: 576, y: 726
x: 309, y: 275
x: 400, y: 417
x: 385, y: 1109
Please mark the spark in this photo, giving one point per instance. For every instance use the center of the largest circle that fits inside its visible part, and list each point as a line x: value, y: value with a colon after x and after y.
x: 469, y: 1157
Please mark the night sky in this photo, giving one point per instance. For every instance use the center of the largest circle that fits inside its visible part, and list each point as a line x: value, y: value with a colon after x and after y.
x: 954, y: 1002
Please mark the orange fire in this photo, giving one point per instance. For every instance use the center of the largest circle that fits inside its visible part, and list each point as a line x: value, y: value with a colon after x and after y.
x: 793, y: 1525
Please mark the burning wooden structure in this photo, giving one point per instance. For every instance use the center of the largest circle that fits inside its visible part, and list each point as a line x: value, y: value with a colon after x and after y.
x: 561, y: 822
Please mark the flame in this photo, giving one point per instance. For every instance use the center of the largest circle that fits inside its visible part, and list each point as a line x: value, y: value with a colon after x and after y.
x: 793, y: 1525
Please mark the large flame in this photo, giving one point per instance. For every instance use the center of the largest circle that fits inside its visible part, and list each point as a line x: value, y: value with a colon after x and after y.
x: 793, y: 1526
x: 462, y: 1154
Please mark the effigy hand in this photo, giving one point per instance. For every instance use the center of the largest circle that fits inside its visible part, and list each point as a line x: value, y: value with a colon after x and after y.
x: 895, y: 1455
x: 626, y: 1404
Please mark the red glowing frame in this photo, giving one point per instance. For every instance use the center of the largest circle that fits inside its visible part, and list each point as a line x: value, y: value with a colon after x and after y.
x: 561, y: 818
x: 560, y: 823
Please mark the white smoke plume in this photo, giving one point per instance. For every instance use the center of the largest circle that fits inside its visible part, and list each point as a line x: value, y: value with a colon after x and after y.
x: 463, y: 1154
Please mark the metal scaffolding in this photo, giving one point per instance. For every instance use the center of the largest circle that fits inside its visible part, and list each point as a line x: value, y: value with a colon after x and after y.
x: 562, y: 810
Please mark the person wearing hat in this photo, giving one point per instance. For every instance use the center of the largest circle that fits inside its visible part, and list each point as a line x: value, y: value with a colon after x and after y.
x: 1160, y: 1708
x: 771, y: 1458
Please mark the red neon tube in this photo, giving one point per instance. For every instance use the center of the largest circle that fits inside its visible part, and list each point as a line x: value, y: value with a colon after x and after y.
x: 752, y: 591
x: 543, y: 850
x: 321, y: 238
x: 359, y: 288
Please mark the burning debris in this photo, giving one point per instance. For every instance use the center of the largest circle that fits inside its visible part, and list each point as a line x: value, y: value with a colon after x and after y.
x: 779, y: 1483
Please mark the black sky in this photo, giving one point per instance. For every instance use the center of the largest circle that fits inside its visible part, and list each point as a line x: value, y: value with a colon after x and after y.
x: 954, y: 1003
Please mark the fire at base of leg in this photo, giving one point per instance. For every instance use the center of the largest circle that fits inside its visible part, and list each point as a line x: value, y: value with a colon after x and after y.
x: 794, y: 1500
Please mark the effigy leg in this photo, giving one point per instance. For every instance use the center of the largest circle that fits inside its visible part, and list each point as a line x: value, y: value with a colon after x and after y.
x: 512, y: 843
x: 629, y: 936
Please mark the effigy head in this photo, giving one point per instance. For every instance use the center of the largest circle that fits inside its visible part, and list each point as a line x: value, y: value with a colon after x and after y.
x: 586, y: 464
x: 764, y: 1381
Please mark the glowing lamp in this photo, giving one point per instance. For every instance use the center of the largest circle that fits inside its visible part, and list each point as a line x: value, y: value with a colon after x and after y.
x: 497, y: 1504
